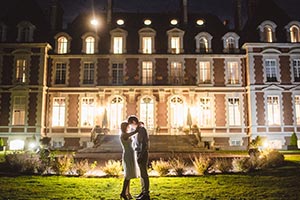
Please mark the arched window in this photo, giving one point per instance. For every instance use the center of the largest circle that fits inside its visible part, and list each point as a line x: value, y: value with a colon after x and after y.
x: 203, y: 45
x: 267, y: 31
x: 203, y: 42
x: 62, y: 45
x: 147, y: 112
x: 294, y: 33
x: 175, y: 41
x: 116, y: 113
x: 25, y: 31
x: 147, y: 40
x: 90, y: 45
x: 231, y: 42
x: 268, y: 34
x: 177, y: 114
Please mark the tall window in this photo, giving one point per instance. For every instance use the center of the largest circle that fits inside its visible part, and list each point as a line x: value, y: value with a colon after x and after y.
x: 230, y: 43
x: 205, y: 114
x: 177, y: 112
x: 147, y: 45
x: 90, y: 45
x: 87, y: 111
x: 268, y: 34
x: 21, y: 68
x: 273, y: 110
x: 147, y: 112
x: 58, y: 113
x: 295, y: 34
x: 116, y: 112
x: 233, y: 72
x: 147, y: 72
x: 88, y: 73
x: 60, y: 73
x: 175, y: 44
x: 297, y: 109
x: 204, y: 72
x: 117, y: 73
x: 118, y: 45
x: 176, y: 73
x: 271, y: 70
x: 203, y: 45
x: 19, y: 110
x: 62, y: 43
x: 234, y: 113
x: 296, y: 70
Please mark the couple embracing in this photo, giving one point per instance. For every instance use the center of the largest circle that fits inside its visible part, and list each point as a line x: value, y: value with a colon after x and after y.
x: 135, y: 156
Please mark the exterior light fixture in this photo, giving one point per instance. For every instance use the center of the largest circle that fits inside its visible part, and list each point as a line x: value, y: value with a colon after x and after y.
x: 200, y: 22
x: 174, y: 22
x: 120, y: 22
x: 147, y: 22
x: 94, y: 22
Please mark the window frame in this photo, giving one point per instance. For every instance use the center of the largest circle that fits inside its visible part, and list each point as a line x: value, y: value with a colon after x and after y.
x: 57, y: 43
x: 208, y: 37
x: 144, y: 33
x: 175, y: 33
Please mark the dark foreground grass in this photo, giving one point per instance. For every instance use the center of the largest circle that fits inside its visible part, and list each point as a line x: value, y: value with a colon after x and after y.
x: 280, y: 183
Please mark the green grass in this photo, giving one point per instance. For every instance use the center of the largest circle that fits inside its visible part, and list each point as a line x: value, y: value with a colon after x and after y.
x: 279, y: 183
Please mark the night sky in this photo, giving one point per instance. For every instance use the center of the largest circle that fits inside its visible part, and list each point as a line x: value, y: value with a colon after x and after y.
x: 223, y: 8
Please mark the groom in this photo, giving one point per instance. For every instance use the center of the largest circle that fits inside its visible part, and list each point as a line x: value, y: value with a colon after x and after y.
x: 142, y: 155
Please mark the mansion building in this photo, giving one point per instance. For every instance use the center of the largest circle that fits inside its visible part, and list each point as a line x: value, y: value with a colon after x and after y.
x: 172, y: 70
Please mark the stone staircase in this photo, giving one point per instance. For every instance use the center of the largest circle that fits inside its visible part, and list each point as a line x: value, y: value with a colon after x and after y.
x: 158, y: 144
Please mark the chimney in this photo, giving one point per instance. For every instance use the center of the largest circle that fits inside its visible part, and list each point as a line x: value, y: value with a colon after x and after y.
x: 56, y: 15
x: 238, y: 15
x: 185, y: 11
x: 109, y: 11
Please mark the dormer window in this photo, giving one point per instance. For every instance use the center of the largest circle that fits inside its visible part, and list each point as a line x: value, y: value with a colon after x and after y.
x: 203, y: 42
x: 90, y: 43
x: 267, y: 31
x: 3, y: 32
x: 175, y: 38
x: 293, y: 30
x: 231, y: 42
x: 147, y: 37
x: 25, y: 32
x: 118, y: 41
x: 63, y: 41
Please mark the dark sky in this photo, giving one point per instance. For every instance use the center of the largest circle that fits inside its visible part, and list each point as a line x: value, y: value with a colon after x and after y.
x: 223, y: 8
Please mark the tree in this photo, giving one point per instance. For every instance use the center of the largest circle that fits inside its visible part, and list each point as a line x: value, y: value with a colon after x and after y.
x: 294, y: 139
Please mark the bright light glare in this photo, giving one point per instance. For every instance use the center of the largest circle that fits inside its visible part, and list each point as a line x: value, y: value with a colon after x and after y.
x: 147, y: 22
x: 120, y: 22
x: 32, y: 145
x: 266, y: 145
x: 200, y: 22
x: 94, y: 22
x: 174, y: 22
x: 16, y: 145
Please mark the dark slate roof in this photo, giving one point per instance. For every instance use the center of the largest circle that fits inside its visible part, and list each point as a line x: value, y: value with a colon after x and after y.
x: 266, y: 10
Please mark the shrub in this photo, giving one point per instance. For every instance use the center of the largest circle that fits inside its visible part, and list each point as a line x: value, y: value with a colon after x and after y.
x: 178, y: 165
x: 161, y: 167
x: 25, y: 163
x: 270, y: 159
x: 294, y: 140
x: 112, y: 168
x: 62, y: 164
x: 82, y: 167
x: 241, y: 164
x: 223, y: 165
x: 202, y: 164
x: 1, y: 142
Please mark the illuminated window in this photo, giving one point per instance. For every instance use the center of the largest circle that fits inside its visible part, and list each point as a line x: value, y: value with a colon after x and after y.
x: 147, y: 112
x: 118, y: 45
x: 19, y: 110
x: 203, y: 42
x: 230, y: 43
x: 203, y: 45
x: 116, y: 112
x: 90, y: 45
x: 296, y: 70
x: 87, y: 111
x: 60, y: 73
x: 204, y: 73
x: 147, y: 45
x: 268, y: 34
x: 273, y: 109
x: 21, y: 69
x: 297, y: 109
x: 117, y: 73
x: 295, y: 35
x: 234, y: 113
x: 88, y: 73
x: 176, y: 73
x: 62, y: 45
x: 205, y: 114
x: 175, y: 44
x: 147, y: 72
x: 271, y: 70
x: 58, y: 111
x: 177, y: 114
x: 233, y: 72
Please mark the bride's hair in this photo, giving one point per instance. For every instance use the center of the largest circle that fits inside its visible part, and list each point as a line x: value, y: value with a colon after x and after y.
x: 124, y: 126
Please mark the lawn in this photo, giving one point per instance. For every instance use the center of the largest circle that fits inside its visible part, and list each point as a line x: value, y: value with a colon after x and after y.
x: 279, y: 183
